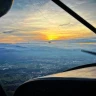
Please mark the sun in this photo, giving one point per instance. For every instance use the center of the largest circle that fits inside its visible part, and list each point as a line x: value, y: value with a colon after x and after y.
x: 51, y: 34
x: 52, y: 37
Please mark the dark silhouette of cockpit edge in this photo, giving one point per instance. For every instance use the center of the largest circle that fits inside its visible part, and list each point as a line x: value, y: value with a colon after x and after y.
x: 5, y: 5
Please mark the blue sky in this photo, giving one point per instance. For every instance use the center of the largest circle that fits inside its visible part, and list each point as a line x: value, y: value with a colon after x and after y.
x: 30, y: 20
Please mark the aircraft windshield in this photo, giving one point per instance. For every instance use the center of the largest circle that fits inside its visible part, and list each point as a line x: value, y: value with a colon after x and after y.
x: 38, y: 38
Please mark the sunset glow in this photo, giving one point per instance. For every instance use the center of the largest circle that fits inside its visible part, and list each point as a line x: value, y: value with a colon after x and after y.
x: 42, y: 22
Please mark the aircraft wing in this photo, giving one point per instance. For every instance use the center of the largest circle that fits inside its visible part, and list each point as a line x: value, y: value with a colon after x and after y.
x: 89, y: 72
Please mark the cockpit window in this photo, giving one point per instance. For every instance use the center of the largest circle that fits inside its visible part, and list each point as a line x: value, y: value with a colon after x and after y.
x: 38, y: 38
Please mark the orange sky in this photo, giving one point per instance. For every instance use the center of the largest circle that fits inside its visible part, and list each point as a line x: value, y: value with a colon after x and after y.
x: 46, y: 35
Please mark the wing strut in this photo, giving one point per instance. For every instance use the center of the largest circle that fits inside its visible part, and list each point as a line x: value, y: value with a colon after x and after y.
x: 75, y: 15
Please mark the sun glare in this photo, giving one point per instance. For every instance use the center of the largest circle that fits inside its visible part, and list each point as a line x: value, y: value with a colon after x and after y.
x: 52, y: 37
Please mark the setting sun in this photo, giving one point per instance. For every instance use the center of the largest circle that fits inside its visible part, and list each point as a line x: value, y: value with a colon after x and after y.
x: 55, y: 34
x: 52, y: 37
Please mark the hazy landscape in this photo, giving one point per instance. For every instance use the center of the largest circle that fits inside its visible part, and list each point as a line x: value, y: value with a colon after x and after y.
x: 23, y: 61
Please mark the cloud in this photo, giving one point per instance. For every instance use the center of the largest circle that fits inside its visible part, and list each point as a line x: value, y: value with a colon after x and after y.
x: 8, y: 32
x: 11, y: 39
x: 65, y: 24
x: 69, y: 24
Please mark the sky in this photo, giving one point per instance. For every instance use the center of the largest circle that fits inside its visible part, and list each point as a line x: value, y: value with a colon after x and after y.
x: 31, y: 20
